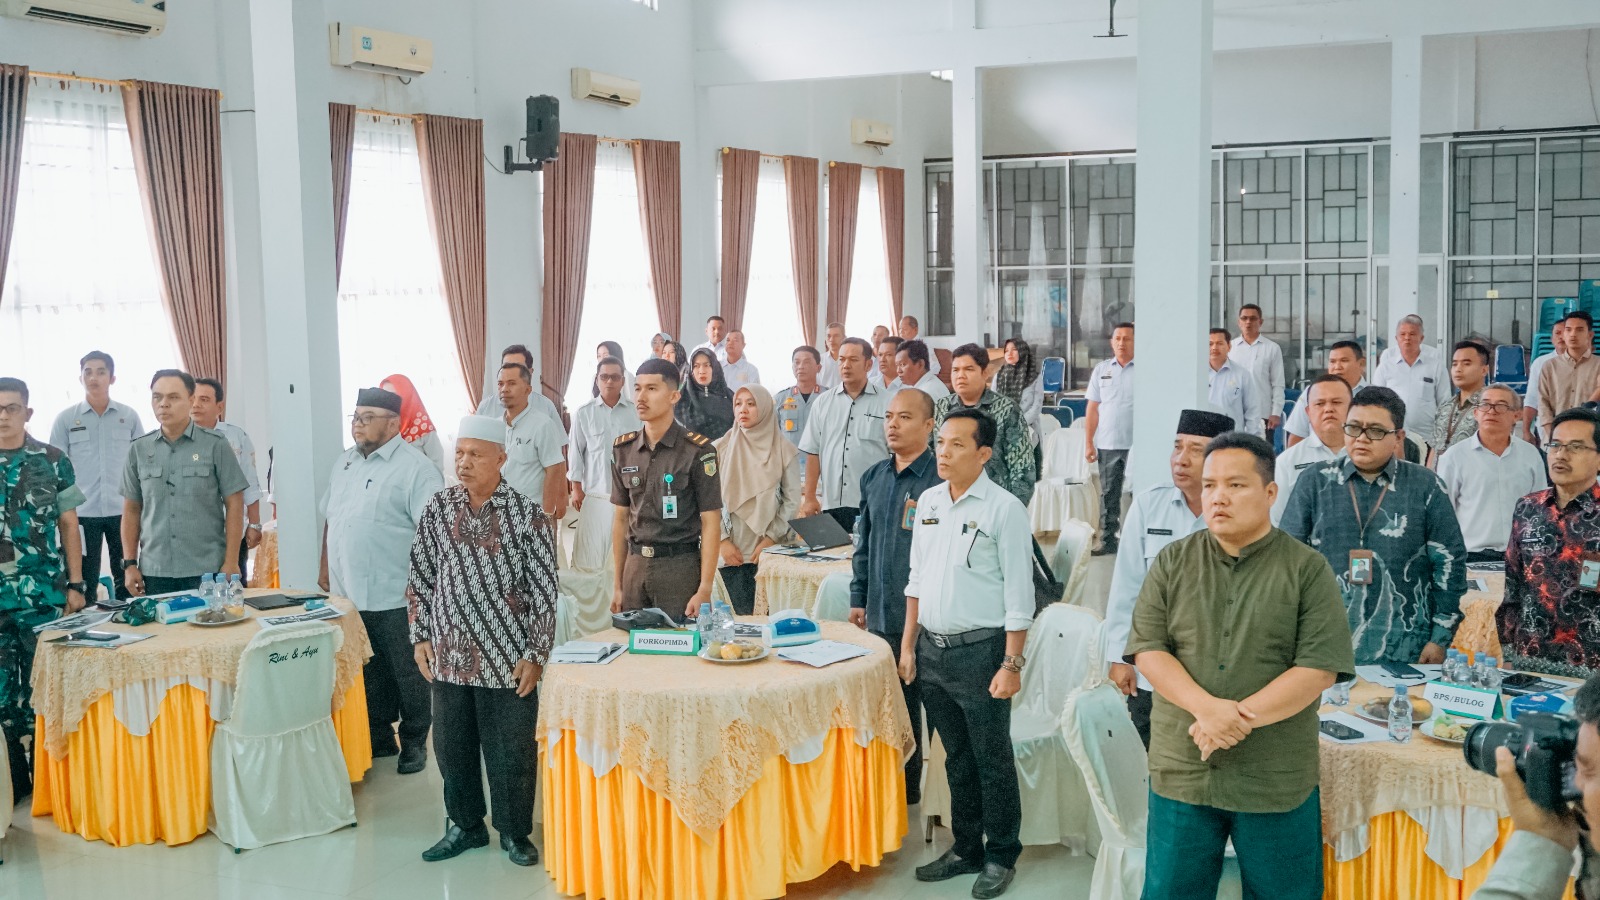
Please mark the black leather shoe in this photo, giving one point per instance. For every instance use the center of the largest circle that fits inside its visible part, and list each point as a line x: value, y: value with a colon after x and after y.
x: 456, y: 842
x: 382, y: 748
x: 413, y: 760
x: 992, y: 881
x: 946, y: 867
x: 521, y: 851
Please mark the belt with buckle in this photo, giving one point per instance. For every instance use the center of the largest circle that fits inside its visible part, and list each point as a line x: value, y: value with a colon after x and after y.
x: 946, y: 641
x: 661, y: 551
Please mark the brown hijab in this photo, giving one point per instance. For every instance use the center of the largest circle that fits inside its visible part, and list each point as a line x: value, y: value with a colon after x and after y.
x: 753, y: 461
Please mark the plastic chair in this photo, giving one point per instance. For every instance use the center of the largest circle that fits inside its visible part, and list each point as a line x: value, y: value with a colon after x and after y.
x: 833, y: 599
x: 1097, y: 731
x: 1553, y: 309
x: 277, y: 773
x: 1054, y: 371
x: 7, y: 802
x: 1510, y: 363
x: 1048, y: 425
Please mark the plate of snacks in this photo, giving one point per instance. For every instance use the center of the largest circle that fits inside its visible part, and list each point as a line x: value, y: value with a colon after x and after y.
x: 736, y: 651
x: 1377, y: 710
x: 208, y: 618
x: 1445, y: 729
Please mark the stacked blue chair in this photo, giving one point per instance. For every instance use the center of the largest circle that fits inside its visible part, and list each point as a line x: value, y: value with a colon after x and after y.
x: 1054, y: 371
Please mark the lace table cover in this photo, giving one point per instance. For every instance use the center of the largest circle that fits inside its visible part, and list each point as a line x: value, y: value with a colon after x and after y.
x: 68, y: 680
x: 785, y: 582
x: 699, y: 733
x: 1479, y: 632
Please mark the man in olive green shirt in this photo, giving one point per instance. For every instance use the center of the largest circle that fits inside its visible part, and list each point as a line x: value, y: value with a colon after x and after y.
x: 1239, y: 628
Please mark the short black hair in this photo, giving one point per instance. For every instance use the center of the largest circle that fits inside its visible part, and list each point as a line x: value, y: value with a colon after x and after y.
x: 1239, y: 440
x: 1373, y: 395
x: 1328, y: 379
x: 1579, y: 314
x: 986, y: 430
x: 807, y: 348
x: 866, y: 348
x: 916, y: 351
x: 1226, y: 334
x: 710, y: 319
x: 1254, y: 306
x: 608, y: 361
x: 520, y: 350
x: 892, y: 340
x: 522, y: 371
x: 670, y: 375
x: 214, y: 384
x: 102, y: 356
x: 1586, y: 705
x: 185, y: 377
x: 912, y: 320
x: 1483, y: 351
x: 15, y: 386
x: 1352, y: 346
x: 1121, y: 325
x: 978, y: 355
x: 1578, y: 414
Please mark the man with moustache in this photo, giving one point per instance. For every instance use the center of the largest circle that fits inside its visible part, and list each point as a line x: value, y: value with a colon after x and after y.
x: 1487, y: 474
x: 1347, y: 360
x: 595, y: 428
x: 1328, y: 402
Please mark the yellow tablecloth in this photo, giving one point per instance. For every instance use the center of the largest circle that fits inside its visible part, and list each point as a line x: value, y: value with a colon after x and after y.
x: 784, y: 582
x: 1398, y: 866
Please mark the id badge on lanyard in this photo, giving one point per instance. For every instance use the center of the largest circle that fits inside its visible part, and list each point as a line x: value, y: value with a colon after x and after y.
x: 1359, y: 569
x: 669, y: 500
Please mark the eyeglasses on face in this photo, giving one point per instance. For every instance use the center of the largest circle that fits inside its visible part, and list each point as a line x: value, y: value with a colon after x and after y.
x: 1372, y: 432
x: 1496, y: 407
x: 1572, y: 449
x: 368, y: 418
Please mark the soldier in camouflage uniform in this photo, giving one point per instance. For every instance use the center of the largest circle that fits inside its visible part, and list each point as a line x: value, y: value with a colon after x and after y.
x: 40, y: 561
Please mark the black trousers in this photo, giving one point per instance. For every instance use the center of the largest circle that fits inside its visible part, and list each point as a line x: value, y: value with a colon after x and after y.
x: 489, y: 728
x: 985, y: 800
x: 106, y: 531
x: 1139, y: 710
x: 155, y: 584
x: 244, y: 562
x: 1113, y: 465
x: 913, y: 694
x: 396, y: 690
x: 740, y: 582
x: 663, y: 582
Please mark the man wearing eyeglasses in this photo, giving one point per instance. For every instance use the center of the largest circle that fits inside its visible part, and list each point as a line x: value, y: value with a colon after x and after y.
x: 595, y: 427
x: 1551, y: 613
x: 1387, y: 529
x: 375, y: 499
x: 1264, y: 358
x: 1486, y: 474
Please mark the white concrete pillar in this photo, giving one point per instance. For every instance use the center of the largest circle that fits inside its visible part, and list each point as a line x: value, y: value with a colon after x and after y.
x: 966, y: 188
x: 294, y: 200
x: 1405, y: 181
x: 1172, y: 210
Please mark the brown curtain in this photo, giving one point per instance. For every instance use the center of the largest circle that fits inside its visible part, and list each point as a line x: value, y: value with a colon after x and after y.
x: 844, y: 196
x: 892, y: 206
x: 655, y: 165
x: 741, y: 172
x: 568, y: 208
x: 341, y: 142
x: 13, y: 111
x: 176, y: 133
x: 451, y: 152
x: 800, y: 183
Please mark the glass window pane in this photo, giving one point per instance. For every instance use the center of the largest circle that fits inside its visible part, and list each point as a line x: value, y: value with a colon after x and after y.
x: 1263, y: 201
x: 1102, y: 211
x: 941, y: 302
x: 1569, y: 196
x: 940, y: 217
x: 1030, y: 221
x: 1033, y: 306
x: 1276, y: 289
x: 1493, y: 201
x: 1101, y: 297
x: 1336, y: 310
x: 1336, y: 202
x: 1431, y: 194
x: 1504, y: 319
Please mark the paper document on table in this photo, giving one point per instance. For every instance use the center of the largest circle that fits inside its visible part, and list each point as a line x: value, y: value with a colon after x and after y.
x: 325, y: 612
x: 589, y: 653
x: 833, y: 555
x: 1378, y: 676
x: 822, y: 653
x: 1478, y: 584
x: 1369, y: 732
x: 78, y: 621
x: 100, y: 640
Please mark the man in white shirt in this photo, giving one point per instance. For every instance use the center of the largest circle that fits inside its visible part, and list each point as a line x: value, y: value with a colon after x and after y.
x: 737, y: 369
x: 911, y: 362
x: 96, y: 435
x: 1345, y: 359
x: 209, y: 407
x: 909, y: 331
x: 716, y: 340
x: 595, y: 427
x: 1158, y: 516
x: 1109, y: 424
x: 375, y: 497
x: 884, y: 374
x: 534, y: 466
x: 1263, y: 357
x: 969, y: 603
x: 1530, y: 404
x: 491, y: 406
x: 1417, y: 373
x: 843, y: 438
x: 1488, y: 472
x: 1329, y: 403
x: 828, y: 376
x: 1232, y: 388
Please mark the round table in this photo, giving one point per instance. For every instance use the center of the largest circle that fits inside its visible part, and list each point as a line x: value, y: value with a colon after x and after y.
x: 1406, y: 820
x: 671, y: 776
x: 789, y: 582
x: 123, y: 737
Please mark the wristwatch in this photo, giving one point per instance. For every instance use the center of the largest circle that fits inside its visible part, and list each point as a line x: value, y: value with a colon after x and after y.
x: 81, y: 587
x: 252, y: 528
x: 1013, y: 663
x: 130, y: 564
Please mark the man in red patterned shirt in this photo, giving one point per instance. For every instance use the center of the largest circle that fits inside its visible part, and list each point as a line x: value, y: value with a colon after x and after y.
x: 1550, y: 618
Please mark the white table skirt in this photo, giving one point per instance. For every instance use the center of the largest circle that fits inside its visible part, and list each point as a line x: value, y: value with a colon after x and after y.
x: 1458, y: 836
x: 136, y: 705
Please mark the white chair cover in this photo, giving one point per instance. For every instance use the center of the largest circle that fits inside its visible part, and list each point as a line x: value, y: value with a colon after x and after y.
x: 590, y: 599
x: 1048, y: 425
x: 833, y: 599
x: 1063, y: 455
x: 1071, y: 562
x: 277, y: 773
x: 6, y: 800
x: 1055, y: 502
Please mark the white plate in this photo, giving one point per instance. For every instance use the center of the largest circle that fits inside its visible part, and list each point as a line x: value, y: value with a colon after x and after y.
x: 223, y: 624
x: 1427, y: 729
x: 748, y: 659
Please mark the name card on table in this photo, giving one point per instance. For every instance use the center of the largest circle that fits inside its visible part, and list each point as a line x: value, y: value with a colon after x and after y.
x: 1463, y: 701
x: 664, y: 642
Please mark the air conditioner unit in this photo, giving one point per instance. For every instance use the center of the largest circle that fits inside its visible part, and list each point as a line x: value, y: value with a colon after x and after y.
x: 870, y: 133
x: 144, y: 18
x: 384, y: 52
x: 598, y: 86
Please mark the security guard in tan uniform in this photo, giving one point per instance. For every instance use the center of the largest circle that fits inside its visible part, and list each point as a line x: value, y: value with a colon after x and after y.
x: 793, y: 404
x: 664, y: 483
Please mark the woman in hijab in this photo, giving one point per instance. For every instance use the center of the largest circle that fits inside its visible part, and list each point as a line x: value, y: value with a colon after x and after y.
x: 1021, y: 380
x: 760, y: 492
x: 705, y: 404
x: 612, y: 348
x: 415, y: 426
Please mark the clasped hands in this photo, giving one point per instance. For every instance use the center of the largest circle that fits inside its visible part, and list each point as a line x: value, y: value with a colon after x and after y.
x: 1220, y: 724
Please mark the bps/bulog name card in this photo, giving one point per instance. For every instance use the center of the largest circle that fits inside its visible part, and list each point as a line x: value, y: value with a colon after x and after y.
x: 1463, y: 701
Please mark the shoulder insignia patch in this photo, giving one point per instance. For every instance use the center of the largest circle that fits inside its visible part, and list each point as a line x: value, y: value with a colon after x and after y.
x: 624, y: 439
x: 698, y: 439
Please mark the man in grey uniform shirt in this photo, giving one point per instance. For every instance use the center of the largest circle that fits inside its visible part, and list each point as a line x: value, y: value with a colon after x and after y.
x: 95, y: 435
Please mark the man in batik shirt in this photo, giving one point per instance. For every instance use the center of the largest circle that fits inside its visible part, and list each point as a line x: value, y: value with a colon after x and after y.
x: 1011, y: 466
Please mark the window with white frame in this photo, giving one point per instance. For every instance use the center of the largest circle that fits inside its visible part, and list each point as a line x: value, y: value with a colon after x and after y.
x: 81, y: 274
x: 619, y: 299
x: 869, y: 273
x: 771, y: 313
x: 393, y: 319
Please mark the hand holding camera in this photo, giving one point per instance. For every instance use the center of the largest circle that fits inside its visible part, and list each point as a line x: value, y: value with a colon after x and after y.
x: 1535, y: 761
x: 1562, y: 828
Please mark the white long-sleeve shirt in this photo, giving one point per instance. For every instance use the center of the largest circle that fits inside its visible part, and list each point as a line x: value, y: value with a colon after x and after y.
x: 971, y: 560
x: 1265, y: 359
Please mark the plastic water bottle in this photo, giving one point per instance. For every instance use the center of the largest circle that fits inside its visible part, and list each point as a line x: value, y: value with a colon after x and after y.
x: 1338, y: 695
x: 1400, y: 716
x: 722, y: 623
x: 1491, y: 675
x: 1450, y: 672
x: 208, y: 593
x: 235, y: 592
x: 703, y: 625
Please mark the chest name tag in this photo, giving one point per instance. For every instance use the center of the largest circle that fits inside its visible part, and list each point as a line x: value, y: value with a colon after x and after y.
x: 1164, y: 532
x: 669, y: 506
x: 1360, y: 567
x: 1589, y: 572
x: 1303, y: 466
x: 788, y: 424
x: 908, y: 514
x: 930, y: 521
x: 626, y: 470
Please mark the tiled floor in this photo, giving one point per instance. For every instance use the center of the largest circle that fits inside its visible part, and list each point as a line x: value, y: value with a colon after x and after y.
x: 402, y: 816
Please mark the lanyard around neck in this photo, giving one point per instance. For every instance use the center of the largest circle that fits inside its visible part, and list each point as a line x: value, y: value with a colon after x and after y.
x: 1375, y: 507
